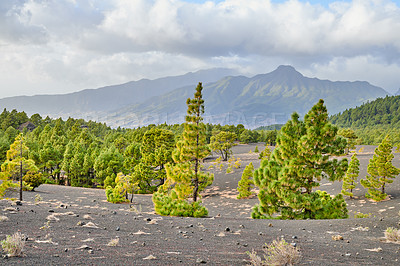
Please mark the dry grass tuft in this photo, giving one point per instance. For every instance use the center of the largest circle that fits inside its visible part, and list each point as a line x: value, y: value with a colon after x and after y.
x: 113, y: 242
x: 392, y: 235
x: 279, y: 252
x: 14, y: 245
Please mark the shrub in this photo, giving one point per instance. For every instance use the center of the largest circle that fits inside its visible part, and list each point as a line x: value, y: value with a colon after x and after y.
x: 245, y: 183
x: 392, y: 235
x: 14, y: 245
x: 114, y: 195
x: 279, y: 252
x: 165, y: 204
x: 33, y: 179
x: 362, y: 215
x: 38, y: 198
x: 256, y: 149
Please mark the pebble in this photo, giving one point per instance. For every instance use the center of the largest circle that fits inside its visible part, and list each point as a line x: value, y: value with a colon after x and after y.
x: 227, y: 229
x: 51, y: 210
x: 294, y: 237
x: 260, y: 233
x: 270, y: 225
x: 293, y: 244
x: 66, y: 250
x: 241, y: 226
x: 19, y: 203
x: 199, y: 260
x: 117, y: 229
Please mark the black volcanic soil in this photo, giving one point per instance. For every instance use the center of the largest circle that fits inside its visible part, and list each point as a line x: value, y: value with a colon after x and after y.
x: 221, y: 239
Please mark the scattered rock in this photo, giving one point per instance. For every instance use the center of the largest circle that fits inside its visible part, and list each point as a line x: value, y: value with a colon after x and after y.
x: 294, y: 237
x: 117, y: 229
x: 293, y: 244
x: 150, y: 257
x: 227, y: 229
x: 270, y: 225
x: 199, y: 260
x: 84, y: 247
x: 337, y: 237
x: 18, y: 203
x: 80, y: 223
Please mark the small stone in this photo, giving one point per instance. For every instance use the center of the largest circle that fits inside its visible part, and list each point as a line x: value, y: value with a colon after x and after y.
x: 148, y: 219
x: 143, y: 244
x: 348, y: 254
x: 260, y: 233
x: 91, y: 251
x: 199, y: 260
x: 19, y: 203
x: 66, y: 250
x: 245, y: 245
x: 227, y: 229
x: 381, y: 219
x: 190, y: 225
x: 113, y: 212
x: 80, y: 223
x: 293, y: 244
x: 241, y: 226
x: 279, y: 229
x: 56, y: 255
x: 117, y: 229
x: 270, y: 225
x: 51, y: 210
x: 294, y: 237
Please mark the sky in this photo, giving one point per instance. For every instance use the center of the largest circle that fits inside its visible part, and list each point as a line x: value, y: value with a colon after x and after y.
x: 62, y: 46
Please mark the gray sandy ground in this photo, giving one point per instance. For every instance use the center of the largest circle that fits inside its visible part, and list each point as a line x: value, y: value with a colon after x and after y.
x: 223, y: 238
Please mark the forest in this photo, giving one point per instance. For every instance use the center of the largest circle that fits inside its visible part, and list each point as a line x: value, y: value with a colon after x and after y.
x: 373, y: 120
x: 83, y: 153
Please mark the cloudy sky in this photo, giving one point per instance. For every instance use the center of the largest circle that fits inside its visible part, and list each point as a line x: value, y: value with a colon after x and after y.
x: 60, y: 46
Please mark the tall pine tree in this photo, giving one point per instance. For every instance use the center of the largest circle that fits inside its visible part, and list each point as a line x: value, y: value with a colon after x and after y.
x: 185, y: 179
x: 381, y: 171
x: 350, y: 179
x: 245, y: 183
x: 299, y: 161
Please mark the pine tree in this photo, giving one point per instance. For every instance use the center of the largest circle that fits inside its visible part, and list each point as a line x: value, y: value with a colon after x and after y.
x: 17, y: 165
x: 185, y: 179
x: 299, y: 161
x: 381, y: 171
x: 265, y: 153
x: 223, y: 143
x: 246, y: 182
x: 350, y: 179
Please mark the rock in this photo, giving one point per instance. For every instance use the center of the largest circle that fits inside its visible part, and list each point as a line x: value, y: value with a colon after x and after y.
x: 66, y: 250
x: 150, y: 257
x: 84, y: 247
x: 199, y: 260
x: 241, y: 226
x: 294, y: 237
x: 148, y: 219
x: 91, y: 251
x: 270, y: 225
x: 51, y: 210
x: 19, y: 203
x: 260, y: 233
x: 293, y: 244
x: 227, y: 229
x: 117, y: 229
x: 80, y: 223
x: 337, y: 237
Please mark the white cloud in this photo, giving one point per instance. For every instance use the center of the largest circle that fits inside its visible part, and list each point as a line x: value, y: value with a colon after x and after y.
x: 56, y: 46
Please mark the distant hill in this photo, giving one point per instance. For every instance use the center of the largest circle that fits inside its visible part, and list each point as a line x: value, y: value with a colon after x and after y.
x: 93, y: 103
x: 261, y: 100
x: 258, y: 101
x: 382, y: 111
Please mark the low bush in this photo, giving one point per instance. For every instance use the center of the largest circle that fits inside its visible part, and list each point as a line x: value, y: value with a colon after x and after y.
x: 279, y: 252
x: 14, y: 245
x: 392, y: 235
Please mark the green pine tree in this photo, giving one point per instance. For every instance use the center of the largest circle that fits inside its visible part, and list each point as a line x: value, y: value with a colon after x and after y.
x: 299, y: 161
x: 185, y: 179
x: 265, y: 153
x: 381, y: 171
x: 350, y: 179
x: 246, y: 182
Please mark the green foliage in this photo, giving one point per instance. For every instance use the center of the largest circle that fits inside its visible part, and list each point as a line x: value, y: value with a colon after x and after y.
x: 223, y: 143
x: 265, y: 154
x: 300, y: 160
x: 256, y: 149
x: 185, y: 179
x: 33, y: 179
x: 362, y: 215
x: 114, y: 195
x: 14, y: 244
x: 171, y: 205
x: 351, y: 137
x: 350, y: 179
x: 245, y: 183
x: 381, y: 171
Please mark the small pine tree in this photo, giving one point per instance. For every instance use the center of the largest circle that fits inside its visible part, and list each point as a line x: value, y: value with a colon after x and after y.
x: 300, y: 160
x: 256, y: 149
x: 246, y: 182
x: 185, y: 179
x: 350, y: 179
x: 381, y: 171
x: 265, y: 153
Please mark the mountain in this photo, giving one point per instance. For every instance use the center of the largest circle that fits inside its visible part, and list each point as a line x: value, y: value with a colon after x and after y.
x: 257, y: 101
x: 92, y: 103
